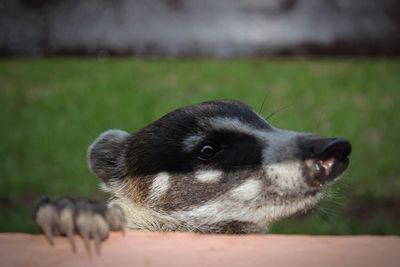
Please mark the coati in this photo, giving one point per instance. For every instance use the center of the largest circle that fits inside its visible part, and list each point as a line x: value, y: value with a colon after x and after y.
x: 214, y: 167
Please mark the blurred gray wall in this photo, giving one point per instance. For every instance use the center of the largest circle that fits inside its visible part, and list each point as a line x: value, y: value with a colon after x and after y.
x: 222, y: 28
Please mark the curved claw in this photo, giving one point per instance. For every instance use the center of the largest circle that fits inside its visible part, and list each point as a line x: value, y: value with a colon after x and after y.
x: 90, y: 219
x: 48, y: 234
x: 71, y: 240
x: 84, y: 222
x: 66, y: 220
x: 116, y: 219
x: 46, y: 216
x: 85, y: 238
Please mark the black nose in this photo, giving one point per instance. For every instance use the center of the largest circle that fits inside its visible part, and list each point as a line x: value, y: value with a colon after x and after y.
x: 326, y: 158
x: 322, y: 148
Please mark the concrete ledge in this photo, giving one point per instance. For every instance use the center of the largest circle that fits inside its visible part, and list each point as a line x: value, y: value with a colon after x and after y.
x: 183, y: 249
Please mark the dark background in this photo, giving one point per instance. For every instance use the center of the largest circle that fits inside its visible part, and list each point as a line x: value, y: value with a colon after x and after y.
x: 223, y: 28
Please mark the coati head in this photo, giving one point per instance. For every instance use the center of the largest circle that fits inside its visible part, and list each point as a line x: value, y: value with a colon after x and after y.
x: 215, y: 167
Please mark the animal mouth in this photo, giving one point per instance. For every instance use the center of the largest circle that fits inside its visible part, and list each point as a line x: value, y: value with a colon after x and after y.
x: 326, y: 165
x: 330, y: 161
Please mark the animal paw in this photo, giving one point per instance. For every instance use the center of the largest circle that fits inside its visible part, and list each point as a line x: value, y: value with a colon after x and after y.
x: 69, y: 217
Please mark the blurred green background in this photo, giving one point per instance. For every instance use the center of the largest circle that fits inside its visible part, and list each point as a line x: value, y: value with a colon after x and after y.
x: 52, y: 109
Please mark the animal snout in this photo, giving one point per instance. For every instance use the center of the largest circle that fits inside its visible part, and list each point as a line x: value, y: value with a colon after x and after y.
x: 326, y: 158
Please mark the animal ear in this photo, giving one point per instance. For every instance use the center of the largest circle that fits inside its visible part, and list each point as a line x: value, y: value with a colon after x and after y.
x: 106, y: 155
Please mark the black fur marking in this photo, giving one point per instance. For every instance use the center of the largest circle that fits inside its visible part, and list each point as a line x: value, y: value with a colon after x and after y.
x: 159, y: 146
x: 235, y: 150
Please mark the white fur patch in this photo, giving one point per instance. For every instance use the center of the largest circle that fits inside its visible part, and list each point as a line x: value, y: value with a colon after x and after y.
x: 287, y: 176
x: 222, y: 123
x: 248, y: 190
x: 104, y: 187
x: 225, y: 209
x: 159, y: 186
x: 208, y: 176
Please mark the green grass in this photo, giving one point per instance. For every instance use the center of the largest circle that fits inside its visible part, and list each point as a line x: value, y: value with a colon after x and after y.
x: 51, y: 110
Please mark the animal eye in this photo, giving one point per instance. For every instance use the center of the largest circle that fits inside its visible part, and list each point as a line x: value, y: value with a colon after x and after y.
x: 207, y: 152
